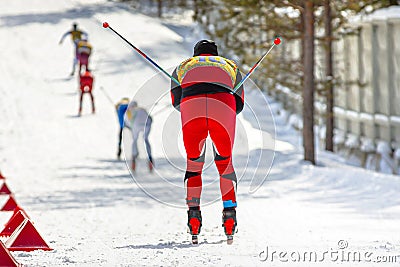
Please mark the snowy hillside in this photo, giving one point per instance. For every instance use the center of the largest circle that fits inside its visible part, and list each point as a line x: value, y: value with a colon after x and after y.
x: 64, y: 173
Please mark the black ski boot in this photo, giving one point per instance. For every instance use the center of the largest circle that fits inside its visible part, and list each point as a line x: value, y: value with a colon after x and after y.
x: 229, y: 223
x: 194, y: 224
x: 119, y: 153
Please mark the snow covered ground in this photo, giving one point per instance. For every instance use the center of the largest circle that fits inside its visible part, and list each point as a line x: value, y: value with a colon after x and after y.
x: 85, y: 204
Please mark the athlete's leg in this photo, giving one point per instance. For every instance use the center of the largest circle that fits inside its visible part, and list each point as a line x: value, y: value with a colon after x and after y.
x: 80, y: 103
x: 119, y: 142
x: 87, y: 63
x: 75, y: 61
x: 194, y: 131
x: 92, y: 97
x: 135, y: 136
x: 146, y: 134
x: 222, y: 123
x: 83, y: 61
x: 135, y: 151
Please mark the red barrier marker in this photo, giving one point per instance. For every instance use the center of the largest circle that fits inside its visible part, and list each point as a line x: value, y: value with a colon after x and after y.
x: 4, y: 190
x: 13, y: 223
x: 18, y: 208
x: 10, y: 205
x: 6, y: 259
x: 26, y: 238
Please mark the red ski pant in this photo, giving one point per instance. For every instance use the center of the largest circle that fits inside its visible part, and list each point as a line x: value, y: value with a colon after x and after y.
x: 83, y: 60
x: 81, y: 99
x: 214, y: 115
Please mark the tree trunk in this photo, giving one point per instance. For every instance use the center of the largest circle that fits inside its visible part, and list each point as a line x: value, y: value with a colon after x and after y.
x: 329, y: 77
x: 196, y: 10
x: 393, y: 2
x: 308, y: 90
x: 302, y: 19
x: 159, y: 8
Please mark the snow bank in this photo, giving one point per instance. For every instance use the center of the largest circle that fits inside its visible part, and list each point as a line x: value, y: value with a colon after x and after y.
x: 383, y: 148
x: 367, y: 145
x: 392, y: 12
x: 386, y: 165
x: 339, y: 137
x: 296, y: 121
x: 352, y: 141
x: 383, y: 14
x: 397, y: 153
x: 322, y: 132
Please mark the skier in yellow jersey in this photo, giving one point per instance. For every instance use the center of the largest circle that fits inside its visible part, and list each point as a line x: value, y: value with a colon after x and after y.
x: 76, y: 36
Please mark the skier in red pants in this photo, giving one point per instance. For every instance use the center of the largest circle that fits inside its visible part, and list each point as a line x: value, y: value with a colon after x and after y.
x: 208, y: 106
x: 86, y: 86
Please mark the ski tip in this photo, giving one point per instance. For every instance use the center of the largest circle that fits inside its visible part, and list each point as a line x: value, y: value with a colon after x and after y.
x: 277, y: 41
x: 105, y: 25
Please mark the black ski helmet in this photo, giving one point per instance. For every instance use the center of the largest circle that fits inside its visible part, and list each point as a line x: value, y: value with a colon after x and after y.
x: 205, y: 47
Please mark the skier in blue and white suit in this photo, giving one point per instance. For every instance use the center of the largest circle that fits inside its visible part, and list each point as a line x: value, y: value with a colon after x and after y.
x: 121, y: 108
x: 138, y: 120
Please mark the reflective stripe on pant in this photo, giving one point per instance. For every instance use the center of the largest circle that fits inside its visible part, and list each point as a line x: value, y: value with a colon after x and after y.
x: 214, y: 115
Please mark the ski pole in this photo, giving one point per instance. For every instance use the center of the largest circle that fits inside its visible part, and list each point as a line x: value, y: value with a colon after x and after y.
x: 107, y: 96
x: 106, y: 25
x: 277, y: 41
x: 156, y: 104
x: 161, y: 110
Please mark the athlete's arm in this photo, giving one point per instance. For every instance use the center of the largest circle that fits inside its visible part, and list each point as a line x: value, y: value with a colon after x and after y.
x: 239, y: 95
x: 176, y: 92
x: 63, y: 37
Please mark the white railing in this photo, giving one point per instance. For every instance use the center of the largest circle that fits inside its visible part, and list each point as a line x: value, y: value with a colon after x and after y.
x: 367, y: 101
